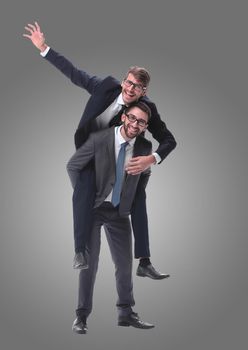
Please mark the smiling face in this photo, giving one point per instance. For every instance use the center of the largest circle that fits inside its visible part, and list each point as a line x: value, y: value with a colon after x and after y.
x: 132, y: 129
x: 132, y: 89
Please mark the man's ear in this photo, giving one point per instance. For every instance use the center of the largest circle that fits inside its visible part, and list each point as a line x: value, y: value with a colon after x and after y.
x: 123, y: 117
x: 144, y: 92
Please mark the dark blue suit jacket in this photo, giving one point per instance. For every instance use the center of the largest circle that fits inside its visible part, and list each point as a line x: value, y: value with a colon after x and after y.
x: 103, y: 92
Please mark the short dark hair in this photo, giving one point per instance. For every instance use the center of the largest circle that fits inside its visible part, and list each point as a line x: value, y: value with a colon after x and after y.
x: 141, y: 105
x: 140, y: 74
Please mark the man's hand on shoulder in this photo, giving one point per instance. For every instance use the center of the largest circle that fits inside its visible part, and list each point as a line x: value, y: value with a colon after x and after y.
x: 139, y: 164
x: 36, y: 36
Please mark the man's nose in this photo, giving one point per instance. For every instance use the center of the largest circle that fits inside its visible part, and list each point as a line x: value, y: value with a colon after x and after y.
x: 135, y: 123
x: 131, y: 87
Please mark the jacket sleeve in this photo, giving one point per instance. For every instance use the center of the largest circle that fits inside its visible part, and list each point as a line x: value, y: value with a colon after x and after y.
x: 160, y: 132
x: 145, y: 175
x: 77, y: 77
x: 144, y: 178
x: 80, y: 159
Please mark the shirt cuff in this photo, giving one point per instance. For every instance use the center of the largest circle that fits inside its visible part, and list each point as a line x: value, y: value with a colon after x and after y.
x: 157, y: 157
x: 45, y: 52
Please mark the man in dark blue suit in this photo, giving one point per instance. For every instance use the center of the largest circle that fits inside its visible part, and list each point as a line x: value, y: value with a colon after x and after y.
x: 108, y: 99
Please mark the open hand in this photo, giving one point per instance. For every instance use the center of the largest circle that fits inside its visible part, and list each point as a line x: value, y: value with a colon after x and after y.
x: 36, y: 36
x: 138, y: 164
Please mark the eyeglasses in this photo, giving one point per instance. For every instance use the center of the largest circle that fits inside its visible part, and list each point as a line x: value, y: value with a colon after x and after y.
x: 137, y: 87
x: 141, y: 122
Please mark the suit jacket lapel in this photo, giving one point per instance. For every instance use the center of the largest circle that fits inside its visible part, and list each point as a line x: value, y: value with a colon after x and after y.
x: 137, y: 151
x: 100, y: 101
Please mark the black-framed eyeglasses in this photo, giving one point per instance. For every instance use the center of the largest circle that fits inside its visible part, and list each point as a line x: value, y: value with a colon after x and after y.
x: 137, y: 87
x: 141, y: 122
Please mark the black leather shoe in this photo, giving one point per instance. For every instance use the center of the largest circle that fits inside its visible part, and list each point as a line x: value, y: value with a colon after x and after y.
x: 80, y: 326
x: 80, y: 261
x: 133, y: 320
x: 149, y: 271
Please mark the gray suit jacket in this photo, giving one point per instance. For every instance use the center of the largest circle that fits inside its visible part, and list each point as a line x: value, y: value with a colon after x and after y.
x: 100, y: 147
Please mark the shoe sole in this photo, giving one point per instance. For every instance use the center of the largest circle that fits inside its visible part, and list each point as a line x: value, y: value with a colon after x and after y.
x: 154, y: 278
x: 81, y: 267
x: 125, y: 324
x: 79, y: 332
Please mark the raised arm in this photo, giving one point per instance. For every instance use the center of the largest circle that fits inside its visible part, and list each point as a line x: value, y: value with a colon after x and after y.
x: 77, y: 76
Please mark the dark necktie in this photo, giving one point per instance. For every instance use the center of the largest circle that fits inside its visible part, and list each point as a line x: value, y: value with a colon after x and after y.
x: 116, y: 120
x: 116, y: 195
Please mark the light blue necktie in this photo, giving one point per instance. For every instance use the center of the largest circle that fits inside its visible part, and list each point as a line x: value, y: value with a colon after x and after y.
x: 119, y: 175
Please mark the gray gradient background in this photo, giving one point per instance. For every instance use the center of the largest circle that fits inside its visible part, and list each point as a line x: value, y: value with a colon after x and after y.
x: 197, y: 54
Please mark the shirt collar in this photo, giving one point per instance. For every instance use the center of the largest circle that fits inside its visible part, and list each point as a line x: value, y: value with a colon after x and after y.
x: 120, y: 100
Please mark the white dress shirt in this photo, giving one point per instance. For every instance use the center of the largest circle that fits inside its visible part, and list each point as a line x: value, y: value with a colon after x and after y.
x: 104, y: 118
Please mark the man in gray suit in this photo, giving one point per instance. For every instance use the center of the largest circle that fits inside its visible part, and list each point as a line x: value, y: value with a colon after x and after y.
x: 110, y: 150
